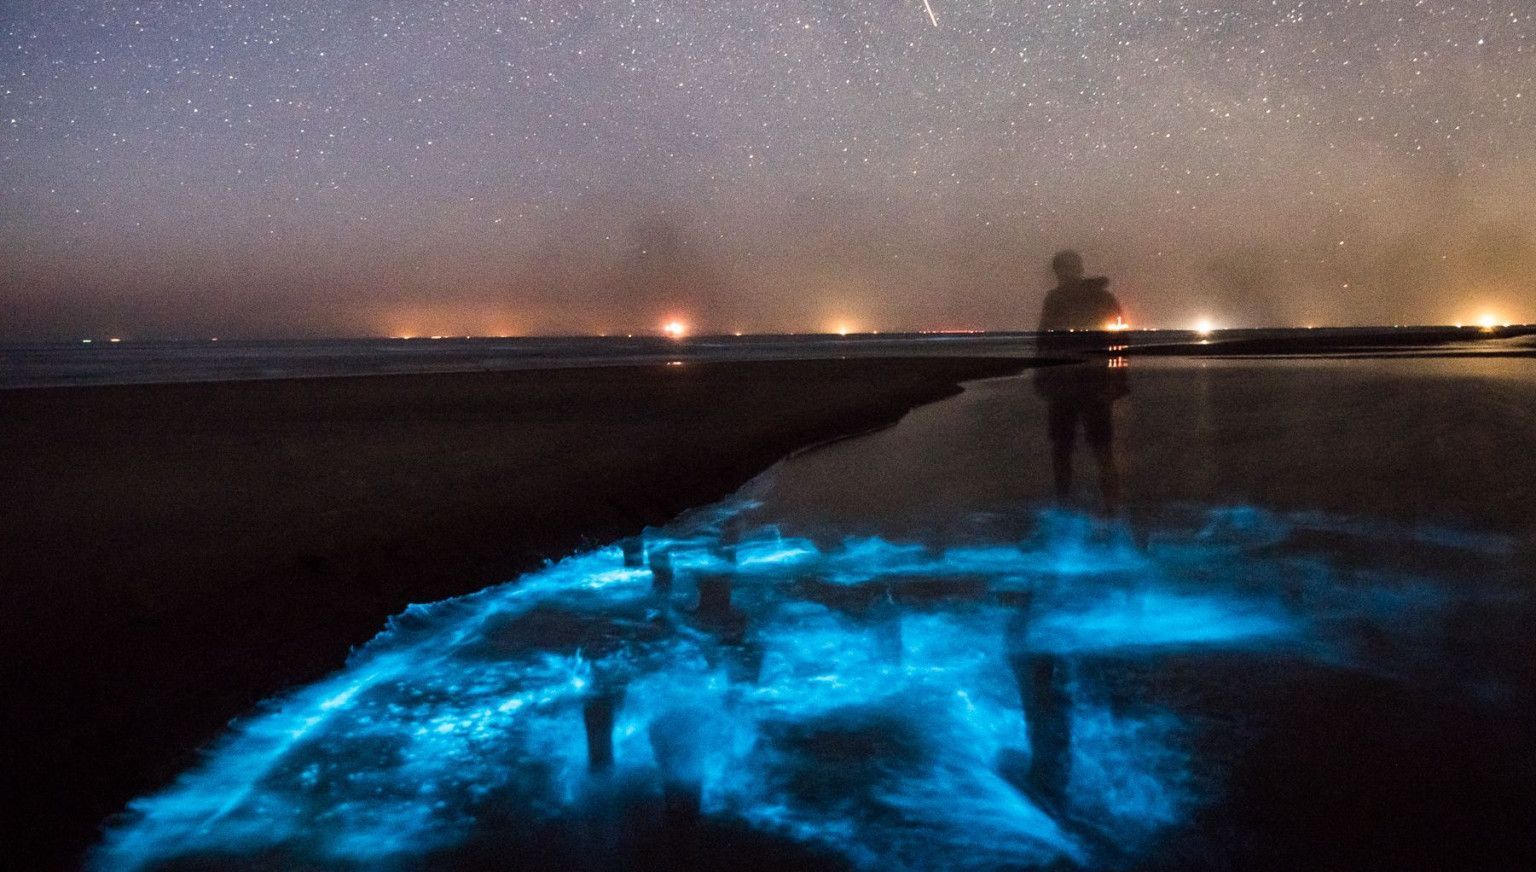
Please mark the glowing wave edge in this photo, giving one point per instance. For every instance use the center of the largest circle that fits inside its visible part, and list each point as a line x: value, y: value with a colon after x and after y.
x: 860, y: 699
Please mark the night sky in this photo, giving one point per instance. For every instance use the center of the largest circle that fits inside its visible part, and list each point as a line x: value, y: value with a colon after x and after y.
x: 372, y: 167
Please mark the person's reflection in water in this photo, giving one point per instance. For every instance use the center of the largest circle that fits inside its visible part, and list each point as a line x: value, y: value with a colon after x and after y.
x: 1044, y: 695
x: 1079, y: 317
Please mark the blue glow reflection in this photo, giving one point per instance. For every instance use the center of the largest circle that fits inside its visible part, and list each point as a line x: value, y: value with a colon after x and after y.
x: 862, y: 697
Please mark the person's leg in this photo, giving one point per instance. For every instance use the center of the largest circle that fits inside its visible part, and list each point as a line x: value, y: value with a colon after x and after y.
x: 1099, y: 428
x: 1062, y: 426
x: 1047, y: 707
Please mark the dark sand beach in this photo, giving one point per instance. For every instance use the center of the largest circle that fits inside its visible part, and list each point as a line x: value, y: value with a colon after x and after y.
x: 176, y: 553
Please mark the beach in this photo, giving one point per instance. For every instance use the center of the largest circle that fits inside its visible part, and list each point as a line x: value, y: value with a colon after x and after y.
x: 176, y: 553
x: 1301, y: 641
x: 181, y: 556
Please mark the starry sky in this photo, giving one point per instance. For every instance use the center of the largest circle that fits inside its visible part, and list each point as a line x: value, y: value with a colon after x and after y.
x: 400, y: 167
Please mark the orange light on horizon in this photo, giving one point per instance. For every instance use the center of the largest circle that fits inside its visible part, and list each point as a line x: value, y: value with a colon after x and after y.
x: 675, y: 329
x: 1117, y: 325
x: 426, y: 320
x: 1204, y: 327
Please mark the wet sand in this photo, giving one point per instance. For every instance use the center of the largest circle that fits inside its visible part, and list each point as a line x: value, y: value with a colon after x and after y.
x: 176, y: 553
x: 1512, y: 341
x: 1412, y: 441
x: 1418, y: 759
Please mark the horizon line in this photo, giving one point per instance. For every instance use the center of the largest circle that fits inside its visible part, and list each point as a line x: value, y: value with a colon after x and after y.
x: 112, y: 339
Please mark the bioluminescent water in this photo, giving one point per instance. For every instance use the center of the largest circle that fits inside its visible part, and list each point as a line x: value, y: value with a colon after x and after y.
x: 1085, y: 694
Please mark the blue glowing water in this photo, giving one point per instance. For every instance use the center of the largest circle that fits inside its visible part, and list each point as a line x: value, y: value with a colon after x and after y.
x: 859, y: 698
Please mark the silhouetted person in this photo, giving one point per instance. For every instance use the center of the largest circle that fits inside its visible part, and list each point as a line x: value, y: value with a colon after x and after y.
x: 1077, y: 319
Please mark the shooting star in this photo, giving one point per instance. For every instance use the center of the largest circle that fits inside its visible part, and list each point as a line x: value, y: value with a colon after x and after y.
x: 931, y: 17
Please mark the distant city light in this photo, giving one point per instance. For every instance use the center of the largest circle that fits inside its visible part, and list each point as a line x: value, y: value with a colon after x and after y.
x: 1489, y: 321
x: 86, y: 341
x: 675, y: 329
x: 114, y: 339
x: 1204, y: 327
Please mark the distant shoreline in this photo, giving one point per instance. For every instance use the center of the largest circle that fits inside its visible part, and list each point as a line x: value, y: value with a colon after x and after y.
x: 30, y: 365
